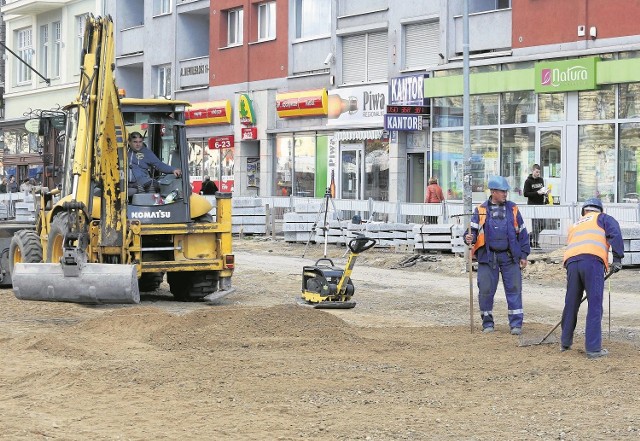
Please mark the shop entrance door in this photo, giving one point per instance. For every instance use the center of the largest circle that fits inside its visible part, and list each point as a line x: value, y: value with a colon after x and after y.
x: 415, y: 177
x: 351, y: 172
x: 550, y: 146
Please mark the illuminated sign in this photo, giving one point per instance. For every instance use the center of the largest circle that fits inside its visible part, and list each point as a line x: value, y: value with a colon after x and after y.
x: 211, y: 112
x: 220, y: 142
x: 302, y: 103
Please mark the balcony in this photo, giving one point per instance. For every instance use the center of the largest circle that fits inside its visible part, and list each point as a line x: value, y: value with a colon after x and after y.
x: 132, y: 40
x: 193, y: 72
x: 31, y: 7
x: 482, y: 40
x: 193, y: 7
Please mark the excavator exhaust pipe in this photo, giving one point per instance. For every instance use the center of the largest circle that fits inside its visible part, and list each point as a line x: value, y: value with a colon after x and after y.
x: 96, y: 283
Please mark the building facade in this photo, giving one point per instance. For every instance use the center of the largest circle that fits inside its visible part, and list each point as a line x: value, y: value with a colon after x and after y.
x: 47, y: 36
x: 368, y: 100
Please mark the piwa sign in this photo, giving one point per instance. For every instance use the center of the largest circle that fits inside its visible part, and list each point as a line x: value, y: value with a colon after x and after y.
x: 566, y: 75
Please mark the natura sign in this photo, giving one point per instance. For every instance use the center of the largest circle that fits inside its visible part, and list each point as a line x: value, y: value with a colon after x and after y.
x: 566, y: 75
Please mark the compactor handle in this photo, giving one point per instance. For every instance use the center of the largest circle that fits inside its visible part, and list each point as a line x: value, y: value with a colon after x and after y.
x: 324, y: 258
x: 360, y: 244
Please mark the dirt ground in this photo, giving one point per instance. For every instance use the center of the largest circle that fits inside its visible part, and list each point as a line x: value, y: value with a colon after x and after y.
x: 401, y: 365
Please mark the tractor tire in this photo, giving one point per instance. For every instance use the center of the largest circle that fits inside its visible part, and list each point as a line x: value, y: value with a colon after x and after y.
x: 25, y: 248
x: 150, y: 281
x: 188, y: 287
x: 57, y: 230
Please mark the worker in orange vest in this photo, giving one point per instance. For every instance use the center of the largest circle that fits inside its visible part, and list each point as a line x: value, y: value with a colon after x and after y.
x: 586, y: 260
x: 501, y: 245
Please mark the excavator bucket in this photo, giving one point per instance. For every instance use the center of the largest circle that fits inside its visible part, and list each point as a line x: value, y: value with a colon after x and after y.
x: 95, y: 283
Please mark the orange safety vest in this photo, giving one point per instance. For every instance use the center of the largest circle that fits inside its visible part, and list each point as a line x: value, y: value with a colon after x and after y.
x: 482, y: 214
x: 587, y: 237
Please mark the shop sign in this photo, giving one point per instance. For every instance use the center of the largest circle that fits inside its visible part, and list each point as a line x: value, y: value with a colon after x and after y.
x: 302, y: 103
x: 407, y: 89
x: 245, y: 110
x: 566, y: 75
x: 220, y: 142
x: 32, y: 125
x: 403, y: 122
x: 362, y: 105
x: 409, y: 110
x: 249, y: 133
x: 211, y: 112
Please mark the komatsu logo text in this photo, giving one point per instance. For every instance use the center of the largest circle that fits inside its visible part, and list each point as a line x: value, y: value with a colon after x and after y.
x: 151, y: 215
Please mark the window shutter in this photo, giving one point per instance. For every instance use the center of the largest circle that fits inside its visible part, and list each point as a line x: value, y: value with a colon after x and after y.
x: 377, y: 54
x: 421, y: 45
x: 353, y: 59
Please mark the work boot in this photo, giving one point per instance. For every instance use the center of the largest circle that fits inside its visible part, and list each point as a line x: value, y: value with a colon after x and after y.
x: 516, y: 331
x: 488, y: 329
x: 564, y: 348
x: 598, y: 354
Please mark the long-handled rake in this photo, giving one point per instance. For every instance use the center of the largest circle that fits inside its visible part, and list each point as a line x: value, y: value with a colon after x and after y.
x: 545, y: 339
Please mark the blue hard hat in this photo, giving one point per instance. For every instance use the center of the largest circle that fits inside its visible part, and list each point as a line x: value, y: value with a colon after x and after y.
x: 498, y: 183
x: 593, y: 203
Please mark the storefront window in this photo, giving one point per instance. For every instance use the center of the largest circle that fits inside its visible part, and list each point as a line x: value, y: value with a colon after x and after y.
x: 629, y: 106
x: 484, y: 160
x: 628, y: 157
x: 446, y: 73
x: 518, y: 107
x: 376, y: 169
x: 284, y: 165
x: 596, y: 162
x: 448, y: 165
x: 19, y: 141
x: 517, y: 66
x: 196, y: 159
x: 551, y: 107
x: 597, y: 104
x: 212, y: 165
x: 447, y: 111
x: 304, y: 165
x: 484, y: 110
x: 518, y: 155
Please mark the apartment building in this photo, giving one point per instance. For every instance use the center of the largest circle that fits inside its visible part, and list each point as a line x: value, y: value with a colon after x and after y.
x: 47, y: 38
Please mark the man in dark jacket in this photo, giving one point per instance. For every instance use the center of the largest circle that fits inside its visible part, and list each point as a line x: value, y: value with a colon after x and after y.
x: 208, y: 186
x: 535, y: 192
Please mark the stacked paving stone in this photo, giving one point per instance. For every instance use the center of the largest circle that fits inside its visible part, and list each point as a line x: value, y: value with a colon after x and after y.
x: 336, y: 231
x: 631, y: 238
x: 4, y: 211
x: 306, y: 221
x: 386, y: 234
x: 249, y: 216
x: 25, y: 210
x: 439, y: 237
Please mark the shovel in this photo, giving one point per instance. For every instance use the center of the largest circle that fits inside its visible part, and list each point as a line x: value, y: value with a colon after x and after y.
x: 545, y: 339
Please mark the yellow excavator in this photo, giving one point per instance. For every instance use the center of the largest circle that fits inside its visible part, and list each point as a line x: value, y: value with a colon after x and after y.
x: 96, y: 243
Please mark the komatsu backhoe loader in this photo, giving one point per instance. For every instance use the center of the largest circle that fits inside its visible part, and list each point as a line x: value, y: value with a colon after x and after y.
x: 96, y: 243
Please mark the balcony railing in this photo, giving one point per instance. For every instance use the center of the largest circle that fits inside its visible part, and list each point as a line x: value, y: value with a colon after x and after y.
x: 132, y: 40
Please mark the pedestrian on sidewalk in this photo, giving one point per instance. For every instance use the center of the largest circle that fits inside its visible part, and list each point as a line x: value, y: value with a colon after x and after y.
x: 586, y: 260
x: 434, y: 196
x: 536, y: 193
x: 501, y: 245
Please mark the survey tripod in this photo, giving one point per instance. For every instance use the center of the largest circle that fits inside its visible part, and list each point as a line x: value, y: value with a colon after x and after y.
x: 325, y: 226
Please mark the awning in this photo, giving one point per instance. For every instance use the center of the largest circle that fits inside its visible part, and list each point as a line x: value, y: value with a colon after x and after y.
x: 358, y: 135
x: 302, y: 103
x: 210, y: 112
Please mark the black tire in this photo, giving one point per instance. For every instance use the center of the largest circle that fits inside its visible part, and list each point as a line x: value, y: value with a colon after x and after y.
x: 150, y: 281
x: 187, y: 287
x: 25, y: 248
x: 57, y: 230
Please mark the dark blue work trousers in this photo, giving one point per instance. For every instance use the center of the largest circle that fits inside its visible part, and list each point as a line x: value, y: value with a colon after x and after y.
x: 488, y: 275
x: 584, y: 275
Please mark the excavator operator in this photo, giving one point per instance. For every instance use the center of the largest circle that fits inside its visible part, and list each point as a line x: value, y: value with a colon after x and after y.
x: 141, y: 161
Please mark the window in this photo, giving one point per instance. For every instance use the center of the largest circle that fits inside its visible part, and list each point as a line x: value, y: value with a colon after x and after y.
x: 364, y: 58
x: 161, y: 7
x: 596, y: 162
x: 517, y: 155
x: 234, y: 27
x: 308, y: 13
x: 629, y: 155
x: 267, y: 21
x: 518, y: 107
x: 164, y: 81
x: 44, y: 50
x: 57, y: 49
x: 421, y: 45
x: 296, y: 165
x: 81, y: 21
x: 25, y: 51
x: 376, y: 169
x: 597, y: 104
x: 488, y: 5
x: 551, y: 107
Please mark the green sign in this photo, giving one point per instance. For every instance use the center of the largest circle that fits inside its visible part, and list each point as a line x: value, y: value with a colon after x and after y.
x: 566, y: 75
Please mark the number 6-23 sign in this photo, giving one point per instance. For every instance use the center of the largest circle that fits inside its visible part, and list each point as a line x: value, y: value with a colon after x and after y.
x: 221, y: 142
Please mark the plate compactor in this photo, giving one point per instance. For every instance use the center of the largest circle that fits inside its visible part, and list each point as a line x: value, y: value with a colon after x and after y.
x: 327, y: 286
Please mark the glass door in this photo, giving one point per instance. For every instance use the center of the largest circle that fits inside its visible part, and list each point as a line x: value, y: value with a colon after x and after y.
x: 351, y: 176
x: 415, y: 177
x: 550, y: 143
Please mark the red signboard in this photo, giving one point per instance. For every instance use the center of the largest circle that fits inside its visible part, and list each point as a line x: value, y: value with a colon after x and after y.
x: 221, y: 142
x: 211, y: 112
x: 249, y: 133
x: 303, y: 103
